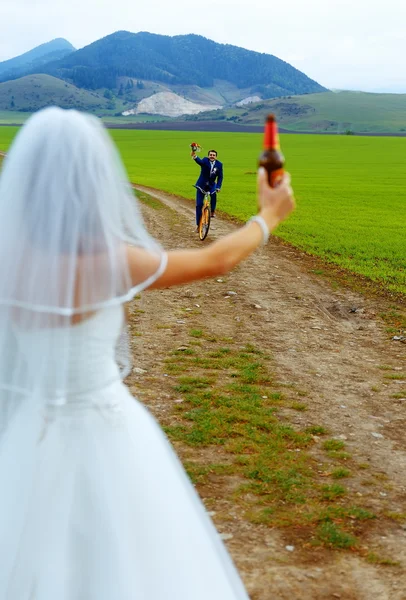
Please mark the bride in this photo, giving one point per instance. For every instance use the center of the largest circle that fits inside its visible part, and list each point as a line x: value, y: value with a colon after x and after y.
x: 94, y: 504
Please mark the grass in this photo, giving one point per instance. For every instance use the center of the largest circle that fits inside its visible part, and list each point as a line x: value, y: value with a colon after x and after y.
x: 350, y: 192
x: 376, y: 559
x: 330, y: 492
x: 196, y: 333
x: 230, y: 409
x: 333, y: 445
x: 340, y: 473
x: 299, y: 406
x: 396, y: 516
x: 316, y: 430
x: 150, y: 201
x: 7, y: 135
x: 9, y: 117
x: 331, y: 535
x: 395, y: 319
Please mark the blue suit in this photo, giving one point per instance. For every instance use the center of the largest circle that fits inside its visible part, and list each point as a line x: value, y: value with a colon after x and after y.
x: 209, y: 180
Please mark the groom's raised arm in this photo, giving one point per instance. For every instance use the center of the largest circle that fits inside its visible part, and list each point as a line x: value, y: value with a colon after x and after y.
x: 197, y: 159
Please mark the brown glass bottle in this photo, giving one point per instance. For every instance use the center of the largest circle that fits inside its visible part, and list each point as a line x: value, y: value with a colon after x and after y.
x: 271, y: 157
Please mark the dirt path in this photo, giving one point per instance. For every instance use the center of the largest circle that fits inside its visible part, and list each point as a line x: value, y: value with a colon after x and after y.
x: 327, y: 344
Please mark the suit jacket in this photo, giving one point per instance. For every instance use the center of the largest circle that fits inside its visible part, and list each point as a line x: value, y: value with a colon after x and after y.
x: 209, y: 181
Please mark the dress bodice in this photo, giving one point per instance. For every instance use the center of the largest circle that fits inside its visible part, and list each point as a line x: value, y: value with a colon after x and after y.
x: 80, y: 359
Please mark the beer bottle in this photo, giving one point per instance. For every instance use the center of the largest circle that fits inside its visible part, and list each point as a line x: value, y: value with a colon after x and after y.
x: 271, y: 157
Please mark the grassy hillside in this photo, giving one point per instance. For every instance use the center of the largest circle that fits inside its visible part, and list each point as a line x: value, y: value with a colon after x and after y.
x: 331, y: 112
x: 338, y: 111
x: 33, y: 92
x: 28, y: 94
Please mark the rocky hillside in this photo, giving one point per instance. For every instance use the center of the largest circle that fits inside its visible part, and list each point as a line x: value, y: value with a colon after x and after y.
x: 168, y: 104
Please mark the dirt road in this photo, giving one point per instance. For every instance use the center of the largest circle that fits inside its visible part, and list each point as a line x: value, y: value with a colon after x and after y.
x: 327, y: 343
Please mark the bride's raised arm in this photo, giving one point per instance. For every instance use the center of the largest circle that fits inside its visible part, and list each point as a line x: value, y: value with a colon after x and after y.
x: 223, y: 255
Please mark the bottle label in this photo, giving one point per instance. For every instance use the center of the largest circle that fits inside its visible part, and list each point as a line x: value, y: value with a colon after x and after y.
x: 275, y: 177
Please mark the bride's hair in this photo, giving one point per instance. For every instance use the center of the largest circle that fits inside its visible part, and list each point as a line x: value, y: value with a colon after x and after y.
x: 67, y: 216
x: 67, y: 166
x: 66, y: 198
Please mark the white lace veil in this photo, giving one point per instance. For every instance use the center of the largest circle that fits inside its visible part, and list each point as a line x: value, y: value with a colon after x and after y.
x: 67, y: 217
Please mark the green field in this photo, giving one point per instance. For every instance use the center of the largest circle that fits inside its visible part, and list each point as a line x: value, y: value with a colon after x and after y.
x: 10, y: 117
x: 350, y: 191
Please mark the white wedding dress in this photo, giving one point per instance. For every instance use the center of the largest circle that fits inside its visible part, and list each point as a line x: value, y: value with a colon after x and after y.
x: 94, y: 504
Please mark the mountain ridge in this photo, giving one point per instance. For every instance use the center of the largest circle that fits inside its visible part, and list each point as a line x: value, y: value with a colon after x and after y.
x: 145, y: 77
x: 176, y: 60
x: 18, y: 65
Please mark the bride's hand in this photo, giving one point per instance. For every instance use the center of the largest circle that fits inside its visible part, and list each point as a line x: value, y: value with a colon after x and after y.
x: 275, y: 204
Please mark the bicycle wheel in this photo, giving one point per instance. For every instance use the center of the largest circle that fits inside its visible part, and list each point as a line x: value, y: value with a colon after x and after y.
x: 204, y: 225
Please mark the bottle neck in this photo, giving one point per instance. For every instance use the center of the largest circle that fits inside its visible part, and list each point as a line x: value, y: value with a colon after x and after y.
x: 271, y: 136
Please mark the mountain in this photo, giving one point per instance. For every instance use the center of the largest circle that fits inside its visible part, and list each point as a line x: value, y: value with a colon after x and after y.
x: 142, y: 77
x: 35, y: 58
x: 179, y: 60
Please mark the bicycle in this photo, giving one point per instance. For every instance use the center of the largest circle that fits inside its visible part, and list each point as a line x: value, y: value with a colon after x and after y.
x: 204, y: 224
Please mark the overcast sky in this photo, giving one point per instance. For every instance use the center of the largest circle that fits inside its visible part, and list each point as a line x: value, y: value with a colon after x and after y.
x: 342, y: 44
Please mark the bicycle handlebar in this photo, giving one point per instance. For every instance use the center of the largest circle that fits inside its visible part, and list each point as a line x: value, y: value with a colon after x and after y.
x: 205, y: 191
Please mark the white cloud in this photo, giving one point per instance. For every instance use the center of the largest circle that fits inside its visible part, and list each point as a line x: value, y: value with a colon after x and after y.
x: 358, y: 44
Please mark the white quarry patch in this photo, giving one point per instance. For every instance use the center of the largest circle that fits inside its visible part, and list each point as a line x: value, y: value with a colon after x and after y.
x: 169, y: 104
x: 248, y: 100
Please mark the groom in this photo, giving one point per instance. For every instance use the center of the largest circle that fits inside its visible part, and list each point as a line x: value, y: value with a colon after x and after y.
x: 210, y: 178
